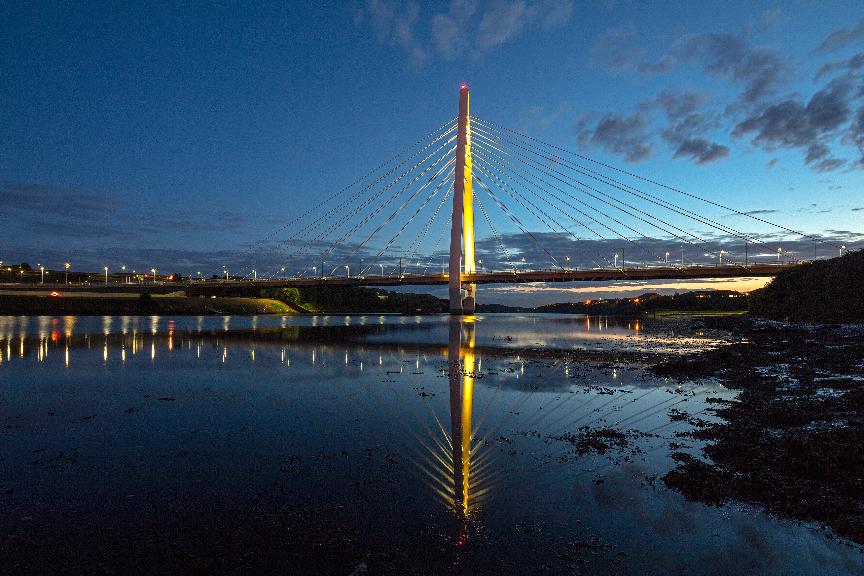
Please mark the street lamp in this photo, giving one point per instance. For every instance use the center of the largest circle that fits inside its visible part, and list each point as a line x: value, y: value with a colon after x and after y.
x: 67, y: 265
x: 42, y: 270
x: 667, y: 257
x: 480, y: 264
x: 347, y: 271
x: 616, y: 261
x: 283, y: 273
x: 721, y: 256
x: 382, y: 268
x: 125, y: 278
x: 224, y: 269
x: 254, y: 275
x: 568, y: 262
x: 106, y: 274
x: 153, y: 270
x: 843, y: 247
x: 779, y: 250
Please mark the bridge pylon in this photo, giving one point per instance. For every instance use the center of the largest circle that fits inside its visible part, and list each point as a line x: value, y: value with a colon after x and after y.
x: 462, y: 227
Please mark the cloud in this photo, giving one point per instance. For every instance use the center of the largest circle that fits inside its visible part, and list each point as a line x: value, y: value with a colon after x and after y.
x: 622, y: 135
x: 448, y: 33
x: 760, y: 70
x: 630, y: 135
x: 756, y: 212
x: 677, y: 106
x: 701, y: 150
x: 394, y: 24
x: 557, y: 13
x: 687, y: 126
x: 618, y: 49
x: 855, y: 136
x: 841, y: 38
x: 851, y: 64
x: 792, y: 123
x: 443, y: 33
x: 55, y: 203
x: 500, y: 23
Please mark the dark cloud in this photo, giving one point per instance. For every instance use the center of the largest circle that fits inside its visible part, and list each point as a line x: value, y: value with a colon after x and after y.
x: 760, y: 212
x: 622, y: 135
x: 618, y: 49
x: 793, y: 124
x: 394, y: 24
x: 688, y: 126
x: 855, y: 136
x: 54, y: 202
x: 677, y: 106
x: 409, y: 26
x: 630, y: 136
x: 852, y: 64
x: 842, y: 37
x: 701, y: 150
x: 590, y: 253
x: 760, y: 70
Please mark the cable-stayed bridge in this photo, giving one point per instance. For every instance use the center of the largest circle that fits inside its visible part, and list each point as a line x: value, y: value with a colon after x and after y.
x: 543, y: 214
x: 566, y: 211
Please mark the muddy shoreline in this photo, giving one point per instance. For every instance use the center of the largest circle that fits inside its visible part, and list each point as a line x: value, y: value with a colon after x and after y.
x: 792, y: 441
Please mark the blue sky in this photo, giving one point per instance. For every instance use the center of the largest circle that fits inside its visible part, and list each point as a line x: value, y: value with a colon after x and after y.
x: 177, y: 135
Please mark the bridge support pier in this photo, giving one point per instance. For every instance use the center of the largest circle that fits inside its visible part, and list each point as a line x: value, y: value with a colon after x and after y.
x: 462, y: 225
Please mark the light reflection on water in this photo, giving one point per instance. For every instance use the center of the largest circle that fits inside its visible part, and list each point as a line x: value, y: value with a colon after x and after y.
x: 451, y: 422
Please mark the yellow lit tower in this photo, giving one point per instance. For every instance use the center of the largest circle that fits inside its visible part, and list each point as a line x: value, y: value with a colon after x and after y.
x: 462, y: 226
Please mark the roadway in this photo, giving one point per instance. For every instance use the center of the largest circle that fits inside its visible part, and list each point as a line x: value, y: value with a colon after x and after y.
x: 246, y: 286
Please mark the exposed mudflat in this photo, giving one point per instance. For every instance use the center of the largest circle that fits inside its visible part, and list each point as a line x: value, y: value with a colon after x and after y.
x: 793, y: 440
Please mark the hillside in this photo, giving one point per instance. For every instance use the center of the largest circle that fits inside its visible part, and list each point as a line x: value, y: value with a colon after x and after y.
x: 823, y: 291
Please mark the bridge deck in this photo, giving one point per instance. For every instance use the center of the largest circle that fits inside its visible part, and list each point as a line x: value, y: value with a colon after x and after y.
x: 596, y: 275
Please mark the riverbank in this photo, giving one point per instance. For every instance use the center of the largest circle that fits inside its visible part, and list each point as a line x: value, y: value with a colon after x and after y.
x: 75, y: 304
x: 791, y: 442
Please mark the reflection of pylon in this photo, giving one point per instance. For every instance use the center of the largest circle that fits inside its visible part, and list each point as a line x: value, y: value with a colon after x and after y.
x: 462, y: 227
x: 462, y: 364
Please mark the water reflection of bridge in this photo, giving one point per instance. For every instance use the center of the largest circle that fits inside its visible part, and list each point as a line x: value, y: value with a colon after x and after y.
x: 458, y: 461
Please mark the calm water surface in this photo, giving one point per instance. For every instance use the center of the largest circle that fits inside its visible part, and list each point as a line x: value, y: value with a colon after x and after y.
x: 363, y: 444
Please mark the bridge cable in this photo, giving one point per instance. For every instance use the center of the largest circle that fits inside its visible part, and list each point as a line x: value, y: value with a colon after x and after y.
x: 437, y: 190
x: 414, y: 247
x: 645, y: 196
x: 393, y: 215
x: 502, y: 182
x: 450, y: 123
x: 631, y: 190
x: 516, y: 196
x: 359, y: 209
x: 513, y: 217
x: 488, y: 164
x: 533, y: 165
x: 495, y: 233
x: 635, y: 244
x: 333, y: 226
x: 671, y: 188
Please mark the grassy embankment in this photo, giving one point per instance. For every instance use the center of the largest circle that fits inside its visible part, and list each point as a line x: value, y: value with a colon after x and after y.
x: 121, y: 304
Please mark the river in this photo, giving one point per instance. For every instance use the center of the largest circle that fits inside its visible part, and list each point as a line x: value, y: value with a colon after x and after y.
x: 372, y: 444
